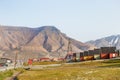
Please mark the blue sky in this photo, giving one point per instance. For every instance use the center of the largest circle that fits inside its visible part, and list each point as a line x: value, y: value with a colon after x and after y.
x: 80, y: 19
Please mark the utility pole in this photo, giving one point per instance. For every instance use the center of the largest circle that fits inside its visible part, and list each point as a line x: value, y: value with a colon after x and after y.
x: 15, y: 60
x: 69, y: 50
x: 16, y: 56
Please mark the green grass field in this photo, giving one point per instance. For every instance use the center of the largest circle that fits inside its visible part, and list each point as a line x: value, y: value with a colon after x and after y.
x: 5, y: 74
x: 98, y: 70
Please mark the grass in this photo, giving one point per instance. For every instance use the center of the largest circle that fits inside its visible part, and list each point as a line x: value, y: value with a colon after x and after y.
x: 112, y: 61
x: 9, y: 73
x: 5, y: 74
x: 44, y: 63
x: 105, y: 70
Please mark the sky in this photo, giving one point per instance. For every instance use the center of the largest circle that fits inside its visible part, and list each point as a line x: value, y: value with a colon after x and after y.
x: 82, y: 20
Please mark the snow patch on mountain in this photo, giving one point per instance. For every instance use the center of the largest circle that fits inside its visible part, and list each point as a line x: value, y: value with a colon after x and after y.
x: 116, y: 40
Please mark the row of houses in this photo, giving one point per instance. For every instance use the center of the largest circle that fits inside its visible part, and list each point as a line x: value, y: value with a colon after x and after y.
x: 101, y: 53
x: 45, y: 59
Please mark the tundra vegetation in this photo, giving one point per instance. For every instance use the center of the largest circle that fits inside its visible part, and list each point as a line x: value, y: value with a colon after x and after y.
x: 89, y: 70
x: 6, y: 74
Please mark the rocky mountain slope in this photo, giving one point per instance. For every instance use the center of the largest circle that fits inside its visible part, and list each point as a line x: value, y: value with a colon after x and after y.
x: 43, y: 39
x: 113, y: 40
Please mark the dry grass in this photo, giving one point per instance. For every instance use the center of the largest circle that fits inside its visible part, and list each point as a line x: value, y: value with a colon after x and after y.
x: 44, y: 63
x: 78, y: 71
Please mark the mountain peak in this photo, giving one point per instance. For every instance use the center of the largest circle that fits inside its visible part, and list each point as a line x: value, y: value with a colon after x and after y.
x: 113, y: 40
x: 49, y: 28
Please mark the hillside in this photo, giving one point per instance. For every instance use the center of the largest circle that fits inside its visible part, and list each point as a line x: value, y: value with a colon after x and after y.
x: 46, y: 39
x: 113, y: 40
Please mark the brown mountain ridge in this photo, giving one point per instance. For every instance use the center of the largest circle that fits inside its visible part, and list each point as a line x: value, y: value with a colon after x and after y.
x: 42, y: 39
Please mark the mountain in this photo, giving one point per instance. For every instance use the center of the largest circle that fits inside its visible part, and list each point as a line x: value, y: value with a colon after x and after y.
x: 113, y: 40
x: 41, y: 40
